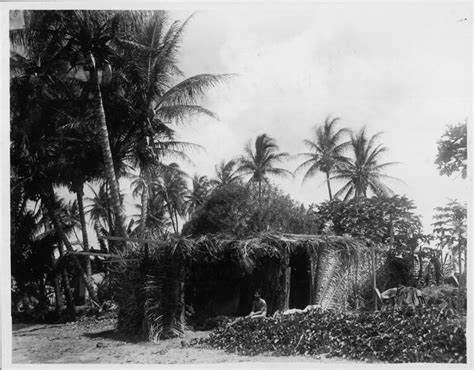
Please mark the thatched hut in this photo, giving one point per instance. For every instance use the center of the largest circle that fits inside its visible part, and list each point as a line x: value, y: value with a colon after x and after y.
x: 217, y: 274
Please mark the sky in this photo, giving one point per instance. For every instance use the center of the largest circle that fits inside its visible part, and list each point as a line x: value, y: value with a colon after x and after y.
x: 403, y: 69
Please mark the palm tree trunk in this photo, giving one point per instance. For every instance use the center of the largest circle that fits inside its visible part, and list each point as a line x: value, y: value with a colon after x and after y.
x: 259, y: 210
x: 107, y: 155
x: 420, y: 262
x: 66, y: 284
x: 85, y: 240
x: 57, y: 294
x: 144, y: 211
x: 49, y: 202
x: 43, y: 300
x: 170, y: 212
x: 329, y: 185
x: 109, y: 215
x: 57, y: 288
x: 64, y: 277
x: 181, y: 314
x: 356, y: 284
x: 176, y: 220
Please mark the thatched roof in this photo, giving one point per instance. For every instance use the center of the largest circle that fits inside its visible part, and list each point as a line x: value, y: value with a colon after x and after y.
x: 213, y: 247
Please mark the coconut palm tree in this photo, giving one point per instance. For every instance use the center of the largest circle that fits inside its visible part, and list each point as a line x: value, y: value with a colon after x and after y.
x: 197, y: 194
x: 89, y: 49
x: 226, y: 174
x: 149, y: 161
x: 36, y: 141
x: 364, y: 172
x: 325, y: 151
x: 171, y: 186
x: 259, y: 164
x: 158, y: 223
x: 157, y: 102
x: 83, y: 42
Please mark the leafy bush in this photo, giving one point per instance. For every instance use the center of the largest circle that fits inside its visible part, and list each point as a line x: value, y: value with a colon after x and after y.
x: 421, y: 335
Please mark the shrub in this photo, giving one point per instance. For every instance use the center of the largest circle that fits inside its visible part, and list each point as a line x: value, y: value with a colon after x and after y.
x: 420, y: 335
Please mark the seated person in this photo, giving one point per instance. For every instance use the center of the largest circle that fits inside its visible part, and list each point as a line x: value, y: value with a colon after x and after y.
x: 259, y: 307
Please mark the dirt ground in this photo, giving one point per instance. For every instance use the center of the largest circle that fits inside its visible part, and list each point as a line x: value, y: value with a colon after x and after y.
x: 95, y: 341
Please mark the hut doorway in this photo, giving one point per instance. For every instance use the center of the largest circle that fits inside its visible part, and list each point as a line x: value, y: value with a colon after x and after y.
x: 300, y: 280
x: 214, y: 289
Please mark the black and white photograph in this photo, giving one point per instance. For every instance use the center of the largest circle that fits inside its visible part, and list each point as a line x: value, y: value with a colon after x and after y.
x: 266, y: 184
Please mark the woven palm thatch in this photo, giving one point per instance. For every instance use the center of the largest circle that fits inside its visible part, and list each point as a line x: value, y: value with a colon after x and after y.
x: 150, y: 292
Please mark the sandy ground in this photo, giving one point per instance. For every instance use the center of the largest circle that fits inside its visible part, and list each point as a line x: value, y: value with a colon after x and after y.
x: 95, y: 341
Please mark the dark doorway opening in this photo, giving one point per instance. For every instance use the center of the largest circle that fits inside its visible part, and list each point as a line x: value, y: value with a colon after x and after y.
x: 300, y: 280
x: 214, y: 289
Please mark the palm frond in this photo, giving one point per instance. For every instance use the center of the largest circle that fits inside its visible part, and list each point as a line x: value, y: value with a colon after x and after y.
x: 181, y: 112
x: 190, y: 90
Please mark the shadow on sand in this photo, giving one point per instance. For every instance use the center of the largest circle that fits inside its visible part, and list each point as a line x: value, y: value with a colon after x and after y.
x: 113, y: 334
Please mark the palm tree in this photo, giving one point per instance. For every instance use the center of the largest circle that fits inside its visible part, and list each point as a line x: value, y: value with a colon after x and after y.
x: 364, y: 173
x: 171, y: 186
x: 158, y: 222
x: 78, y: 45
x: 261, y: 162
x: 148, y: 160
x: 36, y: 140
x: 157, y: 102
x: 90, y: 36
x: 197, y: 194
x: 325, y: 151
x: 98, y: 209
x: 225, y: 174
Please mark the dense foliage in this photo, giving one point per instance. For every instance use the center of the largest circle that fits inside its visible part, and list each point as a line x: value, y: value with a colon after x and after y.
x: 373, y: 218
x: 452, y: 151
x: 421, y: 335
x: 233, y: 209
x: 450, y: 232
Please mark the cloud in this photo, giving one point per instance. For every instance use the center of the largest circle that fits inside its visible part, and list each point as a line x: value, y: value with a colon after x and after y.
x: 404, y: 69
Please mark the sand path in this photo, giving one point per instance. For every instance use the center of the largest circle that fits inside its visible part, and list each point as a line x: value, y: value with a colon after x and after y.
x: 95, y: 341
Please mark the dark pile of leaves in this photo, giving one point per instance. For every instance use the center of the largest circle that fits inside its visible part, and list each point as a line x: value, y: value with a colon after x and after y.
x: 421, y: 335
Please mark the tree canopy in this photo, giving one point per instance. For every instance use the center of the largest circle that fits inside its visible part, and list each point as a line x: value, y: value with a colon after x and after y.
x: 452, y: 151
x: 233, y: 209
x: 377, y: 219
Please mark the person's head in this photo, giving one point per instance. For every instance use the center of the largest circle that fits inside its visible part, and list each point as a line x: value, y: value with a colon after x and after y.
x: 256, y: 295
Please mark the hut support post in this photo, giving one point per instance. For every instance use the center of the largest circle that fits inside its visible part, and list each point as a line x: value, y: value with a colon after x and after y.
x: 287, y: 287
x: 312, y: 279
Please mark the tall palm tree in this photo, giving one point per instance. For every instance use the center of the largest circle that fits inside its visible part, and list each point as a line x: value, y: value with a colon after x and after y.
x: 89, y: 48
x: 197, y: 194
x: 364, y: 172
x: 83, y: 41
x: 325, y: 151
x: 226, y: 173
x: 36, y: 140
x: 157, y: 101
x: 259, y: 164
x: 99, y: 208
